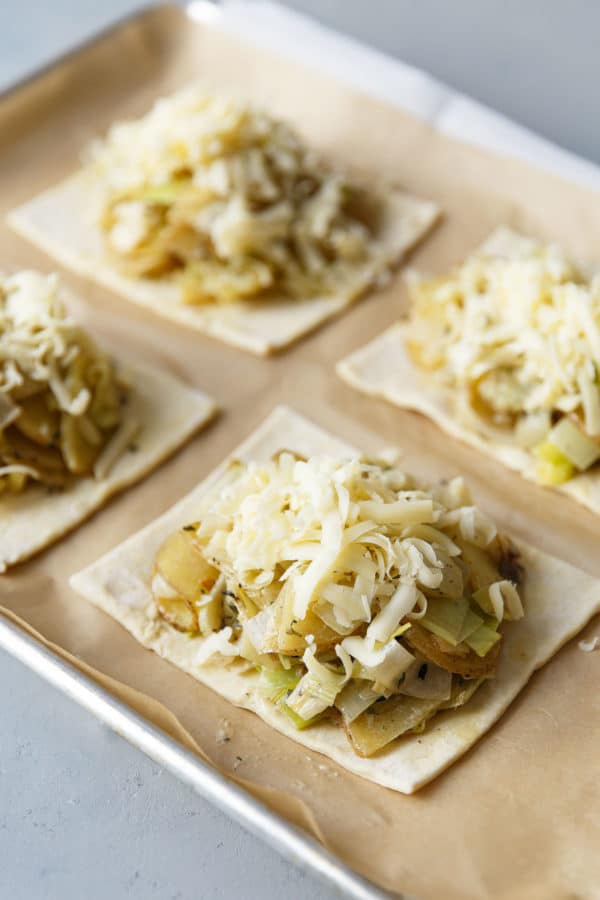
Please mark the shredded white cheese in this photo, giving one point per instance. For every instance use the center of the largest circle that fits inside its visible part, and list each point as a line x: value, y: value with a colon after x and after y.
x: 209, y: 182
x: 47, y: 358
x: 39, y: 340
x: 516, y: 335
x: 347, y: 543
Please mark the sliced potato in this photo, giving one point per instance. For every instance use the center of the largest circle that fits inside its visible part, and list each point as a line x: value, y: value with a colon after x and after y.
x: 178, y: 613
x: 181, y: 563
x: 47, y: 461
x: 211, y: 281
x: 210, y: 614
x: 14, y: 482
x: 79, y: 455
x: 460, y: 660
x: 36, y: 421
x: 387, y: 720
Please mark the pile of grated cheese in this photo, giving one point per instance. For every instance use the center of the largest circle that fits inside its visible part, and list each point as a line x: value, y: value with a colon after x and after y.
x: 38, y: 340
x: 222, y: 189
x: 523, y: 332
x: 357, y: 543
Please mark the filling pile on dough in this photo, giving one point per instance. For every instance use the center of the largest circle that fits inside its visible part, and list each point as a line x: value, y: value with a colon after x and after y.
x: 231, y: 202
x: 358, y: 593
x: 517, y: 338
x: 61, y: 399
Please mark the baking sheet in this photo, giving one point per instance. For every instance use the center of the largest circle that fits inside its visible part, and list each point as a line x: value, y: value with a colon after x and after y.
x: 499, y: 802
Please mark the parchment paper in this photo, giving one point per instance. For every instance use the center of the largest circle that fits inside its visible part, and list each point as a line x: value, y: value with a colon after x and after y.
x: 519, y: 816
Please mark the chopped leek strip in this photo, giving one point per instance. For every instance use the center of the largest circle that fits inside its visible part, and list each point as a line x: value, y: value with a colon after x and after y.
x: 161, y: 194
x: 482, y: 599
x: 297, y: 721
x: 485, y: 637
x: 590, y: 398
x: 446, y: 620
x: 427, y: 681
x: 316, y: 690
x: 276, y: 684
x: 471, y: 623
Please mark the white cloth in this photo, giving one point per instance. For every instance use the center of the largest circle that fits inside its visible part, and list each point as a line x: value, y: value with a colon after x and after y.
x: 298, y: 37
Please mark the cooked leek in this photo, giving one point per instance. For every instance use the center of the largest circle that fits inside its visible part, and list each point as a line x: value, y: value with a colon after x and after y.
x: 366, y: 622
x: 316, y: 691
x: 569, y: 439
x: 485, y: 637
x: 231, y: 200
x: 453, y: 622
x: 553, y: 467
x: 590, y: 398
x: 276, y: 684
x: 513, y: 335
x: 297, y: 721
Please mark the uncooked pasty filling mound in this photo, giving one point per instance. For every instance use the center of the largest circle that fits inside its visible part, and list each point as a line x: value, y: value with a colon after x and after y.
x: 359, y: 594
x: 61, y: 399
x: 229, y: 201
x: 517, y: 338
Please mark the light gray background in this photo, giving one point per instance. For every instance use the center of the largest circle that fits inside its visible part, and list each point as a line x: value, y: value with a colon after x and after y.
x: 83, y: 814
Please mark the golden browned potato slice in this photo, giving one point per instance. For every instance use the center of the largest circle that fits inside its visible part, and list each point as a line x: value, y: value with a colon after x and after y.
x: 387, y: 720
x: 46, y: 461
x: 182, y: 565
x: 79, y: 454
x: 178, y: 613
x: 461, y: 659
x: 36, y: 421
x: 209, y: 280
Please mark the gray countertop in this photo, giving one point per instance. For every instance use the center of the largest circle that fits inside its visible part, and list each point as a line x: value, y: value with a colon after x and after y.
x: 83, y: 814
